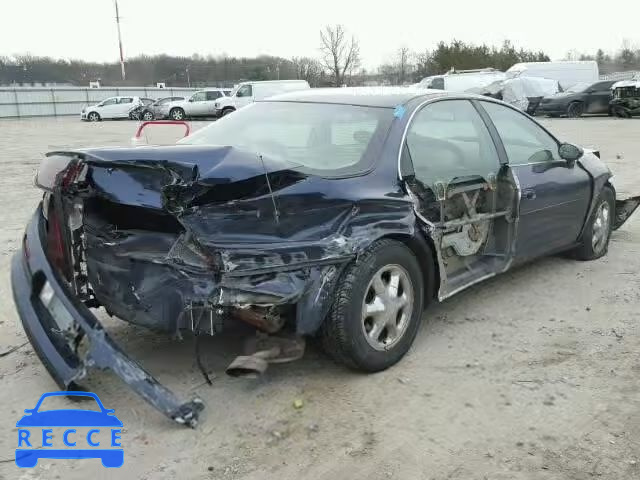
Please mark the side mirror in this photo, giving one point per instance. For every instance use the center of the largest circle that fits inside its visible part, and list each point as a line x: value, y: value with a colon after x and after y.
x: 569, y: 152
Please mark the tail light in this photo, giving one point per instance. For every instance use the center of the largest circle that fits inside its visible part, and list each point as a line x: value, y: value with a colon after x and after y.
x: 58, y: 170
x: 55, y: 243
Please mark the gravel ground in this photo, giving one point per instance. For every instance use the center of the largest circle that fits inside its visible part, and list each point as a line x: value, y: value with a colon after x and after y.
x: 531, y: 375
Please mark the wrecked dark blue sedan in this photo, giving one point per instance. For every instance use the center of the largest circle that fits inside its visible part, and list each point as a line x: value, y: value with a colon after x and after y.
x: 337, y: 213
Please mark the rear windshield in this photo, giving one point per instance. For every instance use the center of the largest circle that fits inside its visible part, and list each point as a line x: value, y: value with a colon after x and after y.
x: 325, y: 138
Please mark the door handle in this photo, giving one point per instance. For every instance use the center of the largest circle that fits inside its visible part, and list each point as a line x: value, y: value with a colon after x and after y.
x: 529, y: 193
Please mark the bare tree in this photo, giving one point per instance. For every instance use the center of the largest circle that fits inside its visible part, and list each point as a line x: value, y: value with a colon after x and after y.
x: 340, y: 55
x: 307, y: 68
x: 404, y: 66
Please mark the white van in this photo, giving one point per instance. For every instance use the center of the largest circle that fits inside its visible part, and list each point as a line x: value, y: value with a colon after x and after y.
x: 462, y: 80
x: 248, y: 92
x: 567, y: 73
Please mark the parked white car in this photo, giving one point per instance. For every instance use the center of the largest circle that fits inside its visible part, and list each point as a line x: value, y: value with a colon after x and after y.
x: 200, y: 104
x: 248, y: 92
x: 114, y: 107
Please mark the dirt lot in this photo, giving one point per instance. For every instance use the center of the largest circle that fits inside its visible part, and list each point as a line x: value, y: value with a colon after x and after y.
x: 532, y: 375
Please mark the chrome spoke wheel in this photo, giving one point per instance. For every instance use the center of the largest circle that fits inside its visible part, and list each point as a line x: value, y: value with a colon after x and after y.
x: 387, y: 307
x: 601, y: 227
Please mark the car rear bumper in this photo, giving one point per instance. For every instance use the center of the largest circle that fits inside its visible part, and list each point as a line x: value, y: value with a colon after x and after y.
x: 30, y: 270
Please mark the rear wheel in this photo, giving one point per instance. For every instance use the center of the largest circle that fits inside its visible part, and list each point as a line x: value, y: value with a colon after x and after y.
x: 177, y: 114
x: 575, y: 110
x: 377, y: 309
x: 597, y: 233
x: 93, y: 117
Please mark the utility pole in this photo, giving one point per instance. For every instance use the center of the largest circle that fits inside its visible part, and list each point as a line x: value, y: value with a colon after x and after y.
x: 119, y: 40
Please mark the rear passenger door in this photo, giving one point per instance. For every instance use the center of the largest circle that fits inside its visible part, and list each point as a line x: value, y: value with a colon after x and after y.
x: 211, y: 98
x: 598, y: 97
x: 125, y: 104
x: 554, y: 194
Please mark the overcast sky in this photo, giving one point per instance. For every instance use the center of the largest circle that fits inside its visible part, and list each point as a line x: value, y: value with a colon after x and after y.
x: 86, y: 29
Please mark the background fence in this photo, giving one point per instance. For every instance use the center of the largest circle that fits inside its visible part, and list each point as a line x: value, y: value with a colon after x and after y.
x: 41, y: 101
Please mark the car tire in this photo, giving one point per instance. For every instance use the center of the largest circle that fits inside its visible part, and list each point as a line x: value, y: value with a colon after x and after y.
x: 575, y: 109
x: 227, y: 111
x: 147, y: 116
x: 367, y: 297
x: 94, y: 117
x: 177, y: 114
x: 597, y: 232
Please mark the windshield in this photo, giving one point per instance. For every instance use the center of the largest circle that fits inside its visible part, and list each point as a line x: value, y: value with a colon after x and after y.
x: 330, y: 139
x: 577, y: 88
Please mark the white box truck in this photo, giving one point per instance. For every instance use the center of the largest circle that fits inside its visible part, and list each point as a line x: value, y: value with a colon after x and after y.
x: 567, y: 73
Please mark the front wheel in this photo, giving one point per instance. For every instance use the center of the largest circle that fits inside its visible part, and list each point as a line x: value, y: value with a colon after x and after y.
x: 177, y: 114
x: 575, y: 110
x: 377, y: 308
x: 595, y: 240
x: 147, y: 116
x: 93, y: 117
x: 227, y: 111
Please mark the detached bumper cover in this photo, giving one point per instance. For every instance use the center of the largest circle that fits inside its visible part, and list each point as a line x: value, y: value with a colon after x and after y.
x: 28, y: 275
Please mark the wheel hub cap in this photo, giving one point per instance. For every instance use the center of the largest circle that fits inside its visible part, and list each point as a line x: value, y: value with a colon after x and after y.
x: 600, y: 228
x: 387, y: 307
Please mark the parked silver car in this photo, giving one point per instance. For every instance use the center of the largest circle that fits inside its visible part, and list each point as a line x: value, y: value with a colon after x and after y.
x: 200, y: 104
x: 159, y: 109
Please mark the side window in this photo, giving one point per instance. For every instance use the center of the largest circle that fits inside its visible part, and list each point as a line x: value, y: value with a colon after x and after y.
x: 600, y: 87
x: 524, y: 140
x: 244, y: 91
x: 199, y: 97
x: 437, y: 83
x: 109, y: 101
x: 449, y: 140
x: 213, y: 95
x: 125, y: 100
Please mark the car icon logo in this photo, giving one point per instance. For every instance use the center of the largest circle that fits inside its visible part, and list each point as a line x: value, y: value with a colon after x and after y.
x: 82, y: 433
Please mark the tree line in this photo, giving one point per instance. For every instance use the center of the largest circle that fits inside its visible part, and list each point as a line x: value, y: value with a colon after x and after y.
x: 338, y: 63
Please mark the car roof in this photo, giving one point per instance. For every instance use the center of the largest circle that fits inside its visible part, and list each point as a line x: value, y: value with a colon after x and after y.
x: 363, y: 96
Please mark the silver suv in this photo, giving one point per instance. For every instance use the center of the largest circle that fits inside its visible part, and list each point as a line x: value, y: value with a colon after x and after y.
x: 200, y: 104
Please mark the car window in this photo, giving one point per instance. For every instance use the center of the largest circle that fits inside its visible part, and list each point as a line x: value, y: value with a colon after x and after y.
x: 601, y: 86
x: 437, y: 83
x: 448, y: 140
x: 213, y: 95
x: 109, y: 101
x: 524, y: 140
x: 199, y: 97
x: 125, y: 100
x: 244, y: 91
x: 333, y: 140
